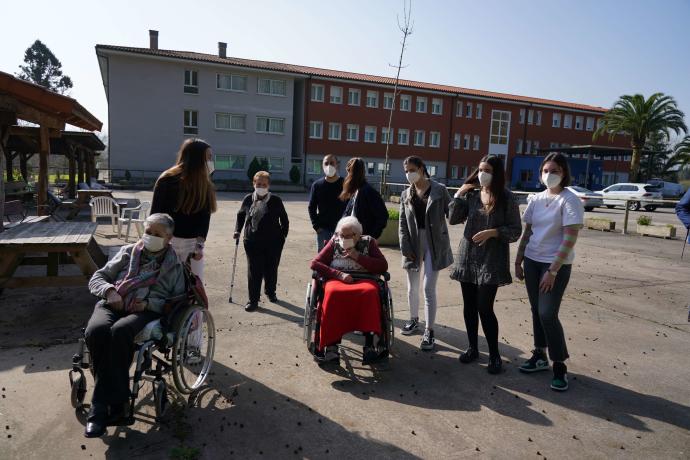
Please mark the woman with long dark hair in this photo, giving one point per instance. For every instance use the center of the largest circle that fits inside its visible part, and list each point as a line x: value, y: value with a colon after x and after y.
x: 552, y: 219
x: 186, y: 193
x: 424, y: 243
x: 492, y: 221
x: 363, y: 201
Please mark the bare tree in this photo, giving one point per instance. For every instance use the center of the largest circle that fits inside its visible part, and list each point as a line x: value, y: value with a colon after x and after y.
x: 405, y: 27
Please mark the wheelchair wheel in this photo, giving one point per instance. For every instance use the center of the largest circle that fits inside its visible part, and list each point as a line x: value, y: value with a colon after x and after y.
x: 193, y: 349
x: 391, y: 319
x: 160, y: 398
x: 307, y: 326
x: 77, y: 387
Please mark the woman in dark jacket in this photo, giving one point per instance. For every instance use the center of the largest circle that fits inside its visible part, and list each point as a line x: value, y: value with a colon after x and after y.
x: 186, y: 193
x: 265, y: 231
x: 492, y: 221
x: 363, y: 201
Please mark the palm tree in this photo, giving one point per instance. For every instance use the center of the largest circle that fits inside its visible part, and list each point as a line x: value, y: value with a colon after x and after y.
x: 639, y: 118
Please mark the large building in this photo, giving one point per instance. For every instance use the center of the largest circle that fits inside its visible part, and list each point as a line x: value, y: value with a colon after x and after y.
x: 293, y: 115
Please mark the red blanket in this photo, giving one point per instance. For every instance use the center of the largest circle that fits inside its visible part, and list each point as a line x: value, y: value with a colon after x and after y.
x: 347, y: 308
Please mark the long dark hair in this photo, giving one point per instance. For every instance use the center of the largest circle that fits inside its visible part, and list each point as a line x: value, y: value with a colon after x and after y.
x: 196, y: 189
x: 560, y: 160
x: 498, y: 181
x: 418, y: 162
x: 355, y: 178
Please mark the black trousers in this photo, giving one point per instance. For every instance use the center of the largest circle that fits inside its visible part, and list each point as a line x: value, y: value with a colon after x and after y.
x: 479, y: 303
x: 110, y: 338
x: 263, y: 259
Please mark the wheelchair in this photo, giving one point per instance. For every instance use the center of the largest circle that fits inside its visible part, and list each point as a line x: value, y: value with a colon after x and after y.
x: 181, y: 343
x: 313, y: 303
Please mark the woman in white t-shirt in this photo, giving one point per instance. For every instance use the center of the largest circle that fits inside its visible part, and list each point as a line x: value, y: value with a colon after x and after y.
x: 552, y: 219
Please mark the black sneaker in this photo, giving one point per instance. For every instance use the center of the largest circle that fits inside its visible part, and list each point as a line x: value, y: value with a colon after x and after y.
x: 560, y: 377
x: 330, y: 354
x: 471, y: 354
x: 369, y: 355
x: 272, y: 298
x: 538, y: 362
x: 410, y: 326
x: 495, y: 365
x: 251, y: 306
x: 428, y: 340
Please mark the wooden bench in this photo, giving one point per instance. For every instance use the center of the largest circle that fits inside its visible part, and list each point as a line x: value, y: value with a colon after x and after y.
x: 17, y: 190
x: 16, y: 214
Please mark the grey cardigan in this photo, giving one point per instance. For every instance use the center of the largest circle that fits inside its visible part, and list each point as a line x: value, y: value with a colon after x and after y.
x: 437, y: 209
x: 170, y: 284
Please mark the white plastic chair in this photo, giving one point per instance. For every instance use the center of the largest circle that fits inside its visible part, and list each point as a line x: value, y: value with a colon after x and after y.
x: 141, y: 212
x: 104, y: 206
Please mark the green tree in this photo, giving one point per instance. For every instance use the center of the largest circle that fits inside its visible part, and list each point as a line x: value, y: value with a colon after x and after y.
x: 44, y: 69
x: 256, y: 165
x: 295, y: 175
x: 639, y: 118
x: 669, y: 161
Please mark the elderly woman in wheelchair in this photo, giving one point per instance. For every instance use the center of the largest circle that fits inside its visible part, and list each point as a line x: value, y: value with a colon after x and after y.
x: 349, y: 292
x: 137, y: 287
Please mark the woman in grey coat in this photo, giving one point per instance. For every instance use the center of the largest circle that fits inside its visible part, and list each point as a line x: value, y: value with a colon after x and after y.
x: 492, y: 221
x: 424, y: 243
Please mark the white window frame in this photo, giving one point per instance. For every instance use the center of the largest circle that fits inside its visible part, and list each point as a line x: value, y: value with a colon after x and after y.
x: 314, y: 166
x: 405, y: 103
x: 466, y: 142
x: 454, y: 172
x: 375, y: 96
x: 352, y: 128
x: 522, y: 116
x: 272, y: 87
x: 528, y: 147
x: 518, y: 147
x: 556, y: 120
x: 567, y: 121
x: 468, y: 110
x: 478, y: 111
x: 417, y: 142
x: 535, y: 147
x: 579, y: 122
x: 475, y: 143
x: 230, y: 156
x: 437, y: 106
x: 423, y: 102
x: 459, y: 109
x: 406, y: 133
x: 193, y: 88
x: 435, y: 139
x: 388, y: 97
x: 503, y: 124
x: 189, y: 128
x: 351, y: 93
x: 384, y: 135
x: 315, y: 87
x: 270, y: 121
x: 368, y: 131
x: 538, y: 120
x: 589, y: 124
x: 312, y: 131
x: 335, y: 99
x: 530, y: 117
x: 231, y: 115
x: 331, y: 127
x: 231, y: 77
x: 457, y: 141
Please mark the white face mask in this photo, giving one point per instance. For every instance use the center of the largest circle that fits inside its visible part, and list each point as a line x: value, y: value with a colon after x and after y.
x: 551, y: 180
x: 329, y: 170
x: 485, y: 178
x: 153, y: 243
x: 261, y: 191
x: 347, y: 243
x: 211, y: 165
x: 412, y: 177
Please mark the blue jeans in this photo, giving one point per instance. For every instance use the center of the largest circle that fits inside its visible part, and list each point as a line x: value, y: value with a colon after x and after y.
x: 548, y: 331
x: 322, y: 237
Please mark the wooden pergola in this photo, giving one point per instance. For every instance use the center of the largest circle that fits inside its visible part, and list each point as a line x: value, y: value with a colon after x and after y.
x: 22, y: 100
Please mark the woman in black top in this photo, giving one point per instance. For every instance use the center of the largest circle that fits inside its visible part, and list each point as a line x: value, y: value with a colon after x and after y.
x: 186, y: 193
x: 363, y: 202
x: 325, y: 208
x: 264, y: 236
x: 492, y: 221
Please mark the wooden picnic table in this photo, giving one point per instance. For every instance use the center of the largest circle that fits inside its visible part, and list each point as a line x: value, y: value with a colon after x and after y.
x: 51, y: 244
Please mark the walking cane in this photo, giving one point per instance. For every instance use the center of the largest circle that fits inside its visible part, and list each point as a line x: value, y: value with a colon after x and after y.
x: 685, y: 244
x: 234, y: 266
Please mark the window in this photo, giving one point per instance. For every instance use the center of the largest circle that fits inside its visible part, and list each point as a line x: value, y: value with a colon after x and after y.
x: 371, y: 168
x: 463, y: 171
x: 419, y: 138
x: 353, y: 96
x: 313, y: 166
x: 590, y: 124
x: 500, y: 124
x: 453, y: 172
x: 475, y: 146
x: 267, y: 125
x: 518, y: 147
x: 274, y: 163
x: 479, y: 112
x: 382, y: 166
x: 403, y: 136
x: 405, y: 102
x: 229, y: 82
x: 528, y: 147
x: 191, y: 122
x: 567, y: 121
x: 434, y: 139
x: 579, y: 121
x: 437, y: 106
x: 538, y: 123
x: 272, y: 87
x: 230, y: 162
x: 370, y: 134
x: 231, y: 122
x: 530, y: 117
x: 431, y: 169
x: 553, y: 145
x: 421, y: 104
x: 336, y: 95
x: 458, y: 109
x: 535, y: 147
x: 526, y: 175
x: 384, y: 135
x: 191, y: 82
x: 353, y: 133
x: 468, y: 110
x: 466, y: 143
x: 315, y: 129
x: 317, y: 92
x: 522, y: 116
x: 388, y: 101
x: 334, y: 131
x: 556, y: 120
x: 372, y: 99
x: 457, y: 140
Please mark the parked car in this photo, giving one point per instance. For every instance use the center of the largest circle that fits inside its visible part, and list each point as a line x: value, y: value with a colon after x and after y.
x: 640, y: 194
x: 667, y: 189
x: 590, y: 199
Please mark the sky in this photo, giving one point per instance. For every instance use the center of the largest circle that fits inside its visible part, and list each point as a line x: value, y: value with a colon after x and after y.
x: 586, y: 51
